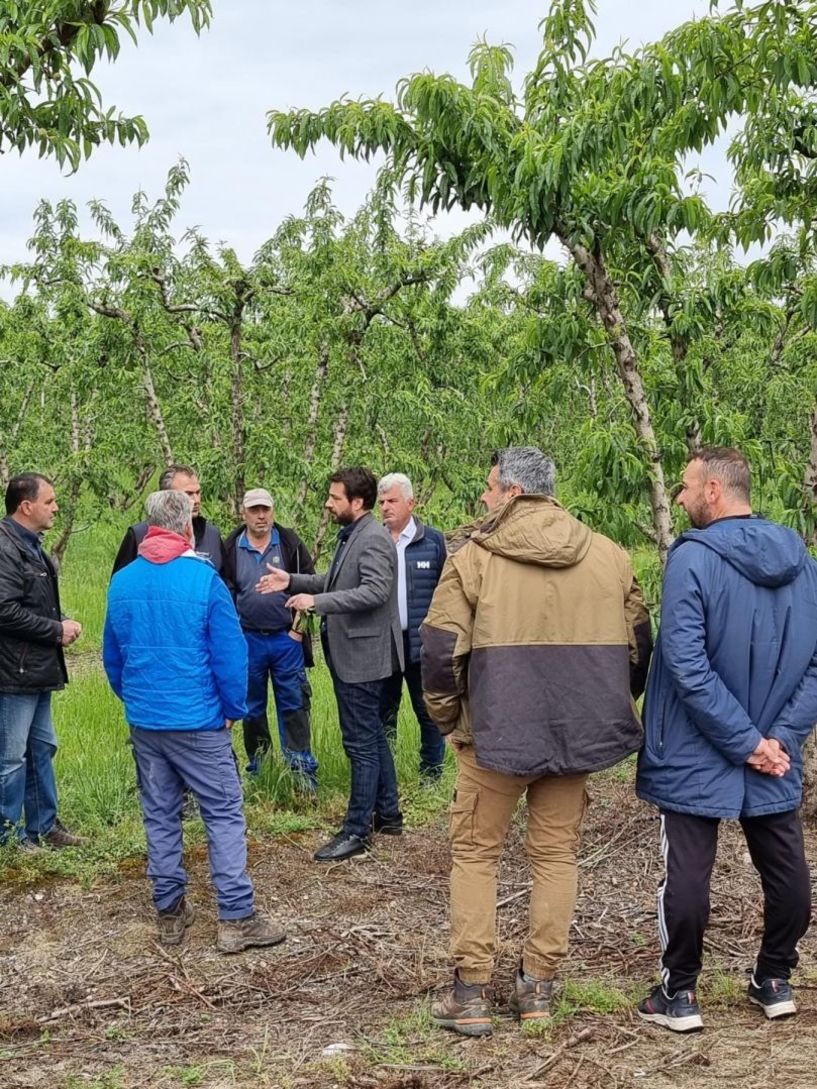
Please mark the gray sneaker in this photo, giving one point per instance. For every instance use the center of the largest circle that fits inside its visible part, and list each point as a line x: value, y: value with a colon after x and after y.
x: 29, y: 847
x: 173, y: 924
x: 235, y: 935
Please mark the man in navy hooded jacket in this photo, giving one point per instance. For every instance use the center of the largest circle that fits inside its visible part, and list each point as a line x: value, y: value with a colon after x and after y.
x: 731, y: 698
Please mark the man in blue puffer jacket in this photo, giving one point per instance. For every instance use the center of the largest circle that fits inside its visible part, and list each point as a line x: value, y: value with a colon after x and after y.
x: 731, y: 698
x: 175, y: 655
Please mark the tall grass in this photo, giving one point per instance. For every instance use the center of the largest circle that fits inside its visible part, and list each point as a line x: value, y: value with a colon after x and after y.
x: 94, y: 765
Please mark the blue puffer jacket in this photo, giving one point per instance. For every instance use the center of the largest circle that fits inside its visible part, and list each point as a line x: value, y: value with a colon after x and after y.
x: 173, y: 649
x: 736, y: 659
x: 425, y: 556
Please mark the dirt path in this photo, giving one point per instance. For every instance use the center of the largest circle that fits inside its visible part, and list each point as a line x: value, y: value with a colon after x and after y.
x: 87, y: 998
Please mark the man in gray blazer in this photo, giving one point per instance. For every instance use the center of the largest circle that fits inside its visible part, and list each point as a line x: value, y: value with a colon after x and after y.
x: 363, y: 644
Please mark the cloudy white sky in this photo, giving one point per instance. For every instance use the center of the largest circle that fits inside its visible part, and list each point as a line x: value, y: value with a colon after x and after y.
x: 206, y: 99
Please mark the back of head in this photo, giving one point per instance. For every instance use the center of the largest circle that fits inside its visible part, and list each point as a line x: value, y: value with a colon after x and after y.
x: 169, y: 510
x: 359, y: 482
x: 528, y: 468
x: 729, y: 466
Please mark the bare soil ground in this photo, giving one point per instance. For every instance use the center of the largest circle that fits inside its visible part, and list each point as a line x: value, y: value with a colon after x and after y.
x: 87, y: 997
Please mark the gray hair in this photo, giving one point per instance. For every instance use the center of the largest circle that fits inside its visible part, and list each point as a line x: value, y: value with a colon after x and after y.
x: 396, y: 480
x: 528, y: 468
x: 729, y: 466
x: 170, y: 510
x: 171, y: 472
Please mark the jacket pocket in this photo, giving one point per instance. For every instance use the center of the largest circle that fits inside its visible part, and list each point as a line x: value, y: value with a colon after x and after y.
x: 363, y: 633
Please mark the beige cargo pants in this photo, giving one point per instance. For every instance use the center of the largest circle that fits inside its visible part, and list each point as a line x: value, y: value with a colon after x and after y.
x: 480, y: 816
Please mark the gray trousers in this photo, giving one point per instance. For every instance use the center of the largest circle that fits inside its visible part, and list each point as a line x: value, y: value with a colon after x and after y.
x: 168, y: 761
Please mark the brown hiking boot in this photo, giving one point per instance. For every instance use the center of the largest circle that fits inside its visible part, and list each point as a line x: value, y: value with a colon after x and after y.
x: 173, y: 923
x: 530, y: 999
x: 235, y: 935
x: 465, y: 1009
x: 59, y: 836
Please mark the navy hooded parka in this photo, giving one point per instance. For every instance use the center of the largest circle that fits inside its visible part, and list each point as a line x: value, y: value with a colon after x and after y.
x: 735, y: 660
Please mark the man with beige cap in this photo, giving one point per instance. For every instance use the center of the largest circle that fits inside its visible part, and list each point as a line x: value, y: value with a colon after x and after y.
x: 276, y: 652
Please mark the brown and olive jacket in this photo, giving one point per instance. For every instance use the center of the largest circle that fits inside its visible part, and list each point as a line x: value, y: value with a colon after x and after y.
x: 536, y: 642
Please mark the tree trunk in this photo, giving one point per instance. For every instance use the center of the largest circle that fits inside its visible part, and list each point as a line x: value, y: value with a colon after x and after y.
x: 601, y: 292
x: 12, y: 436
x: 678, y: 343
x: 69, y: 502
x: 238, y: 419
x: 339, y: 432
x: 311, y: 441
x: 155, y: 410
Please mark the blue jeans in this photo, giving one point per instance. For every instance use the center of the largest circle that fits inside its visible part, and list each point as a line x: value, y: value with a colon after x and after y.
x: 167, y: 761
x: 432, y: 743
x: 374, y: 782
x: 27, y: 782
x: 280, y: 658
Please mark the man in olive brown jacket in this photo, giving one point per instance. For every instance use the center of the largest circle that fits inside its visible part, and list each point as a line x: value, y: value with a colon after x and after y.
x: 536, y: 642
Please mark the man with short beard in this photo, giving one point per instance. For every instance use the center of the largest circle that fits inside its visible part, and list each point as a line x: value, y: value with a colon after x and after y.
x: 360, y: 631
x: 731, y: 698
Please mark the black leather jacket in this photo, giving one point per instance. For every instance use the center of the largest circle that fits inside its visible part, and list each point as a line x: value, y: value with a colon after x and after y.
x: 31, y: 655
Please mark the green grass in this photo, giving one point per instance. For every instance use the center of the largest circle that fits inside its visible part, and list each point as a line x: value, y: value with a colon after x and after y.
x: 94, y: 765
x: 413, y: 1039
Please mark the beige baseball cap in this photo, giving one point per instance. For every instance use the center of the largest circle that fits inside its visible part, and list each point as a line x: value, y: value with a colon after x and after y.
x: 257, y: 497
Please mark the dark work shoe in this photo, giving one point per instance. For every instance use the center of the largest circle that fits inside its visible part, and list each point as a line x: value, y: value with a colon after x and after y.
x: 340, y: 847
x: 774, y: 996
x: 387, y: 826
x: 173, y: 923
x: 530, y: 998
x: 59, y: 836
x: 679, y: 1012
x: 465, y: 1008
x: 235, y: 935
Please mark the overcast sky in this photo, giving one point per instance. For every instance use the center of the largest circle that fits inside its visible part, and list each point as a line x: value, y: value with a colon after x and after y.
x: 206, y: 99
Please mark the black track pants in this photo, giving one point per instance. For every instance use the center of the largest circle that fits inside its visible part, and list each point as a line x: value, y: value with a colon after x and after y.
x: 688, y: 844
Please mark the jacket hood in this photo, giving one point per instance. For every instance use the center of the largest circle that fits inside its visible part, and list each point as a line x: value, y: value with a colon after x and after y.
x: 764, y: 552
x: 534, y: 529
x: 162, y: 546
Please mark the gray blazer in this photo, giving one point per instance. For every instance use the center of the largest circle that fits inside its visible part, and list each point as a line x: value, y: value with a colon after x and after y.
x: 360, y: 605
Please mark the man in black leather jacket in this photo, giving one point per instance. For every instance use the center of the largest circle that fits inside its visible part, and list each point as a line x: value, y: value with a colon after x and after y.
x: 33, y: 633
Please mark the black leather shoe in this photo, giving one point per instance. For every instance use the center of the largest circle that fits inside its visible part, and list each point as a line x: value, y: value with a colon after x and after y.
x: 387, y: 826
x: 340, y: 847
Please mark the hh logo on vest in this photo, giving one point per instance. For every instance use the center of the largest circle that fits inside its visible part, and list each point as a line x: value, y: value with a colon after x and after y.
x: 424, y: 565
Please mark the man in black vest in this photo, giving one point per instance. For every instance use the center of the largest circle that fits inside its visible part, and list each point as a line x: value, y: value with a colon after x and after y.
x: 177, y: 478
x: 33, y: 633
x: 420, y: 558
